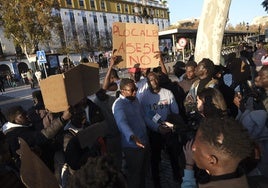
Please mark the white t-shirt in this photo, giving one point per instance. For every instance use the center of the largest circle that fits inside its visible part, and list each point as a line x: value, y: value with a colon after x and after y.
x: 162, y: 103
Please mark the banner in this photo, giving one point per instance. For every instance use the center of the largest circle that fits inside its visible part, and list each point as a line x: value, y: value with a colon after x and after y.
x: 135, y: 45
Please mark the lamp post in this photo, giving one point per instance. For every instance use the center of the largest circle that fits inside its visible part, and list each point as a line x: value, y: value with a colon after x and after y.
x: 247, y: 27
x: 259, y: 32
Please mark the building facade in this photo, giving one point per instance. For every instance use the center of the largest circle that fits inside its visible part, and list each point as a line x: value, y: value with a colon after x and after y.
x: 89, y: 22
x: 87, y: 25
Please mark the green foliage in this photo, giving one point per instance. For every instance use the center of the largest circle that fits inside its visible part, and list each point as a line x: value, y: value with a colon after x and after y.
x: 28, y: 22
x: 265, y: 5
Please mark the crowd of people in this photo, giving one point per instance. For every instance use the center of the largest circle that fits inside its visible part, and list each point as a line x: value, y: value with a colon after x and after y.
x: 11, y: 80
x: 212, y: 123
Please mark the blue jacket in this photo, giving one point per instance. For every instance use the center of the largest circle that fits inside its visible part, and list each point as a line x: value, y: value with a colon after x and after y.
x: 130, y: 120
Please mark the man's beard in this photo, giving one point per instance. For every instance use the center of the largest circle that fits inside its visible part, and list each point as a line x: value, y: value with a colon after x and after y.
x: 155, y: 89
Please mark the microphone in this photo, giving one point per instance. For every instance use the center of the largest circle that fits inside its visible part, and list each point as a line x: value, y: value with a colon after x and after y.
x: 156, y: 118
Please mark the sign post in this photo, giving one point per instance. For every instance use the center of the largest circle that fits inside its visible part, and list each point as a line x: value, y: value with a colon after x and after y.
x: 181, y: 44
x: 41, y: 59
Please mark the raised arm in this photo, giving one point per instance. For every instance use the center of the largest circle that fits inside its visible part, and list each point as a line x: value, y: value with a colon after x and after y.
x: 161, y: 62
x: 106, y: 82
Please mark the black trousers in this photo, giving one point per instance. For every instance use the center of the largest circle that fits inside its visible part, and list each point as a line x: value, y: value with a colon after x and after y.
x: 172, y: 147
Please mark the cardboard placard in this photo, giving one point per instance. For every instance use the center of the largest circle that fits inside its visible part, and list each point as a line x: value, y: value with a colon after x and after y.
x: 136, y: 44
x: 88, y: 136
x: 67, y: 89
x: 33, y: 172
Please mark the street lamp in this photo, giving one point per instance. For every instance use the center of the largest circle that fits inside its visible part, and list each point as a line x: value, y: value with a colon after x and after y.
x: 143, y: 11
x: 259, y: 32
x: 247, y: 27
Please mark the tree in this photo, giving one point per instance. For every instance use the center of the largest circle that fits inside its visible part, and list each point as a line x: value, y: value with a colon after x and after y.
x: 265, y: 5
x: 209, y: 39
x: 29, y: 23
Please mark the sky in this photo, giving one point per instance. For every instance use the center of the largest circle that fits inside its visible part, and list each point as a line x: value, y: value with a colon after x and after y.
x: 240, y: 10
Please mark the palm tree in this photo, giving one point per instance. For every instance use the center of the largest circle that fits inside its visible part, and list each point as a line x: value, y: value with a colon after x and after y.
x: 265, y: 5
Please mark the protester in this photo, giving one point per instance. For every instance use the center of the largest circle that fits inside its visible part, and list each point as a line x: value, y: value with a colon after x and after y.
x: 258, y: 54
x: 131, y: 123
x: 240, y: 74
x: 142, y: 84
x: 113, y: 139
x: 253, y: 115
x: 38, y: 114
x: 210, y: 103
x: 160, y: 102
x: 71, y: 155
x: 177, y: 91
x: 38, y: 75
x: 30, y: 78
x: 8, y: 78
x: 99, y: 172
x: 219, y: 146
x: 77, y: 123
x: 9, y: 176
x: 227, y: 92
x: 189, y: 77
x: 204, y: 71
x: 18, y: 125
x: 262, y: 81
x: 112, y: 81
x: 179, y: 69
x: 24, y: 77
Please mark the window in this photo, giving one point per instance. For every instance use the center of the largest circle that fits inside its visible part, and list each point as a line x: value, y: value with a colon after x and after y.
x: 102, y: 5
x: 92, y: 4
x: 69, y: 2
x: 127, y: 18
x: 119, y: 18
x: 118, y: 7
x: 81, y: 3
x: 71, y: 14
x: 95, y: 17
x: 104, y: 19
x: 126, y: 8
x: 84, y: 20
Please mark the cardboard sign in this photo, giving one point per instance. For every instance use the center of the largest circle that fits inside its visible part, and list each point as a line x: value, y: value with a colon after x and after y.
x: 63, y: 90
x: 135, y: 44
x: 33, y: 172
x: 88, y: 136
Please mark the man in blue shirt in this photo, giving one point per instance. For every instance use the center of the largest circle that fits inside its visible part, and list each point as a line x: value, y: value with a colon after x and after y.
x: 161, y: 102
x: 131, y: 123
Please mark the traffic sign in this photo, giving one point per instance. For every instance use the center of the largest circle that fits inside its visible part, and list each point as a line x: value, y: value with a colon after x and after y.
x: 41, y: 56
x: 182, y: 42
